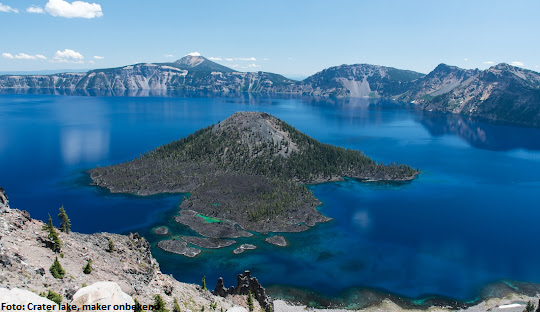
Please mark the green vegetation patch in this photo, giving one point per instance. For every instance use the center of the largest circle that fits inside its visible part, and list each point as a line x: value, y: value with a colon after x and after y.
x: 208, y: 219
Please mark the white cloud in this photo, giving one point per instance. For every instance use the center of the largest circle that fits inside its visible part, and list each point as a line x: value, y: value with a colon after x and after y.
x: 266, y: 59
x: 68, y: 54
x: 96, y: 57
x: 466, y: 59
x: 234, y: 66
x: 169, y: 55
x: 194, y: 54
x: 516, y: 63
x: 489, y: 62
x: 215, y: 58
x: 24, y: 56
x: 229, y: 59
x: 81, y: 9
x: 35, y: 9
x: 254, y: 65
x: 7, y: 9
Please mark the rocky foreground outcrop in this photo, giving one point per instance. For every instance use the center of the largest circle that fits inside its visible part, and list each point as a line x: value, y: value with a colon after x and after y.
x: 246, y: 285
x: 25, y: 260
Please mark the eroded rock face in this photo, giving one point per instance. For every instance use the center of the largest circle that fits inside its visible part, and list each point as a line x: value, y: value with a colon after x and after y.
x: 103, y: 293
x: 4, y: 202
x: 245, y: 284
x: 24, y: 297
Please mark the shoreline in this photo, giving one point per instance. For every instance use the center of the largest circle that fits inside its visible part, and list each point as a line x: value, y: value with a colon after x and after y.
x: 511, y: 295
x: 511, y: 303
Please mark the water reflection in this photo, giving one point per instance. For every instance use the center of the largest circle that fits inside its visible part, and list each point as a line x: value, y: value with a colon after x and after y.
x: 84, y: 131
x: 84, y: 145
x: 251, y: 98
x: 481, y: 134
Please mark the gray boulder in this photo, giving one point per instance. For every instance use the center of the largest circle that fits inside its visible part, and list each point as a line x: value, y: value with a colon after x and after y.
x: 24, y: 297
x: 102, y: 293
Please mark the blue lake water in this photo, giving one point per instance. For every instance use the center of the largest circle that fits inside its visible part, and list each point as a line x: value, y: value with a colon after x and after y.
x: 471, y: 217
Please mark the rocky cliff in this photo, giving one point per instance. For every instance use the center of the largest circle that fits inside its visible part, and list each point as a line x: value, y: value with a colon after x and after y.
x: 191, y: 73
x: 360, y: 80
x: 502, y: 92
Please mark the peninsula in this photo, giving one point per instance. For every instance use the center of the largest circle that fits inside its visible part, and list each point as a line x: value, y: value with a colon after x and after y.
x: 246, y: 173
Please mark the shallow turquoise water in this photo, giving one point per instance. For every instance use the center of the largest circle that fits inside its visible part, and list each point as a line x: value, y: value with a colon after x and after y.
x: 469, y: 219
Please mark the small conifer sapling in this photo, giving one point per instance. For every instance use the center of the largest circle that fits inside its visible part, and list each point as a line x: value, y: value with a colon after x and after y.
x: 65, y: 223
x: 56, y: 269
x: 87, y: 269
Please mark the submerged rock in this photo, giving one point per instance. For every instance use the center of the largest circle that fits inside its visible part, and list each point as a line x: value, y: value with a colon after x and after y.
x: 277, y: 240
x: 205, y: 242
x: 178, y: 247
x: 243, y: 248
x: 162, y: 230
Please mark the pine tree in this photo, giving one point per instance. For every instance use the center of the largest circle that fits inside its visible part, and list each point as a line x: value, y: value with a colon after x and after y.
x: 52, y: 235
x: 54, y: 296
x: 110, y: 248
x: 65, y: 223
x: 250, y: 302
x: 56, y: 269
x: 529, y: 307
x: 48, y: 226
x: 138, y: 307
x: 159, y: 304
x: 204, y: 282
x: 87, y: 269
x: 57, y: 243
x: 176, y: 306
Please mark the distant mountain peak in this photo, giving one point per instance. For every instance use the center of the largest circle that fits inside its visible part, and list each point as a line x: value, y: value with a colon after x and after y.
x: 446, y: 67
x: 191, y: 60
x: 195, y: 61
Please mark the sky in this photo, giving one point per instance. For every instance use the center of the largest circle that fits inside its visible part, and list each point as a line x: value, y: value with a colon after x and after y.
x: 293, y: 37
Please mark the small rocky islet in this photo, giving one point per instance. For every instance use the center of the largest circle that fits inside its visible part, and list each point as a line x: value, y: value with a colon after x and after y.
x: 277, y: 240
x: 245, y: 174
